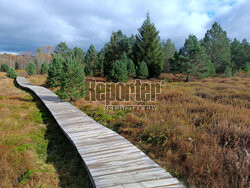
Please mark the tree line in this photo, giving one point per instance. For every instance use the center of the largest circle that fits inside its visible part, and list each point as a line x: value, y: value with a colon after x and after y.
x: 21, y: 60
x: 146, y: 56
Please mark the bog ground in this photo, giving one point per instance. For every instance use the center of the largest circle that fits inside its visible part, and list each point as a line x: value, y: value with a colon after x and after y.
x: 199, y: 132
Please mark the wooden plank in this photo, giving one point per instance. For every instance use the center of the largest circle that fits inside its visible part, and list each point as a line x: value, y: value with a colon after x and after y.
x: 112, y: 161
x: 85, y: 149
x: 115, y: 150
x: 117, y: 159
x: 124, y: 168
x: 98, y: 136
x: 120, y: 165
x: 132, y: 177
x: 97, y: 147
x: 172, y: 182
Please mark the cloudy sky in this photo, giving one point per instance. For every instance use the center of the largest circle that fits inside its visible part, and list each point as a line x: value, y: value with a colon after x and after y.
x: 28, y: 24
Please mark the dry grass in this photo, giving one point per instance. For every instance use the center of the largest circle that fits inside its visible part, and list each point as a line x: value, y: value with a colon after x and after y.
x: 199, y: 132
x: 39, y: 80
x: 33, y: 150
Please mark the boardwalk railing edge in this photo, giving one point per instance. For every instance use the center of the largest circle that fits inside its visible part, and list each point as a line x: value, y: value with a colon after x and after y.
x: 110, y: 159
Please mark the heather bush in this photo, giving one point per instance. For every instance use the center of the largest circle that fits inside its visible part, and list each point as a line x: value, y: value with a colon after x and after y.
x: 199, y: 132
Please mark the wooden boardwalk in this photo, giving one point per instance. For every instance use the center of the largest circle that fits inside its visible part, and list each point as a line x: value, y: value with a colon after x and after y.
x: 110, y: 159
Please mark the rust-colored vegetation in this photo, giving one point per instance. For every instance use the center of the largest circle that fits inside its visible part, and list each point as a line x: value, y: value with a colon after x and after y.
x: 199, y: 132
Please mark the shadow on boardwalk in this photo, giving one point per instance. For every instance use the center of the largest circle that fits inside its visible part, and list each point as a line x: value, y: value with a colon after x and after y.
x: 60, y: 152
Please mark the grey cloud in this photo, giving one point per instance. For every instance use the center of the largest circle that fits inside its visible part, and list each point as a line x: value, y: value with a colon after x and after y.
x: 27, y: 24
x: 236, y: 21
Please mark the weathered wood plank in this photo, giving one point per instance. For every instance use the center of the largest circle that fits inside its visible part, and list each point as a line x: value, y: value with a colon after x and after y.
x: 172, y: 182
x: 110, y: 159
x: 132, y: 177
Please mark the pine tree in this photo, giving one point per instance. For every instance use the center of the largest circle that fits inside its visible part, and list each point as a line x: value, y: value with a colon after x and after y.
x: 209, y: 70
x: 148, y: 49
x: 36, y: 63
x: 114, y: 49
x: 55, y: 70
x: 62, y: 49
x: 246, y: 67
x: 4, y: 67
x: 119, y: 72
x: 240, y: 54
x: 30, y: 68
x: 91, y: 61
x: 130, y: 65
x: 131, y: 68
x: 175, y: 63
x: 237, y: 54
x: 44, y: 68
x: 100, y: 62
x: 217, y: 47
x: 72, y: 82
x: 228, y: 72
x: 168, y: 50
x: 11, y: 73
x: 78, y: 54
x: 196, y: 61
x: 142, y: 70
x: 132, y: 42
x: 246, y: 54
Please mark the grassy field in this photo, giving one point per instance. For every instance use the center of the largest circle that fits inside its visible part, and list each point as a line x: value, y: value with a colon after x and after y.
x: 200, y: 131
x: 33, y: 150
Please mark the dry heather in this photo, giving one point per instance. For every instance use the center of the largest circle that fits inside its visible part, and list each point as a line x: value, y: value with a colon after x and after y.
x: 33, y: 150
x: 200, y: 131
